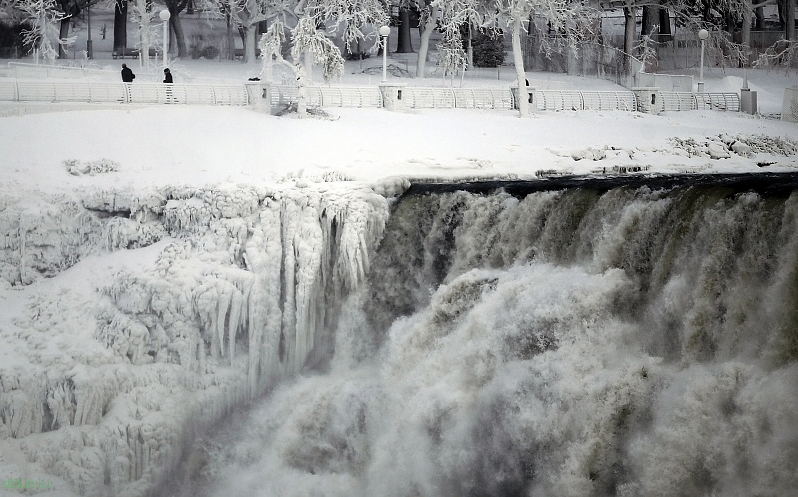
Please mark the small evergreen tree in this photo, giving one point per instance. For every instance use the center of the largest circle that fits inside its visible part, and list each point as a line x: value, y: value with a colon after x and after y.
x: 487, y: 47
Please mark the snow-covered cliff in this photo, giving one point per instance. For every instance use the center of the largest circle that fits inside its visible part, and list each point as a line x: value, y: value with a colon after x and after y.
x: 133, y: 320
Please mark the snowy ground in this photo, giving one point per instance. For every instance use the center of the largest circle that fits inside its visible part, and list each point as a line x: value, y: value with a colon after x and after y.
x: 181, y: 187
x: 202, y: 146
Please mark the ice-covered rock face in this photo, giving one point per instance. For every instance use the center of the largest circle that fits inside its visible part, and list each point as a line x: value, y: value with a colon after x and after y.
x: 233, y: 288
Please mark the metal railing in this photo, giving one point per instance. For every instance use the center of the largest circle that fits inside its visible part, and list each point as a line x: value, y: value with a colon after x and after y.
x: 129, y: 93
x: 327, y: 96
x: 679, y: 101
x: 349, y: 96
x: 557, y: 100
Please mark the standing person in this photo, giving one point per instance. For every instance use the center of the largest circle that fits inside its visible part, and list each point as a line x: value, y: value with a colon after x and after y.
x: 167, y: 78
x: 127, y: 74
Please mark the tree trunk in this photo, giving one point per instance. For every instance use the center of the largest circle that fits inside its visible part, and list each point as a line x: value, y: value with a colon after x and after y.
x: 62, y: 35
x: 789, y: 24
x: 629, y: 14
x: 403, y: 44
x: 308, y: 66
x: 120, y: 25
x: 760, y: 18
x: 748, y: 14
x: 231, y: 41
x: 249, y: 44
x: 518, y: 59
x: 179, y: 37
x: 665, y: 32
x: 645, y: 21
x: 423, y: 49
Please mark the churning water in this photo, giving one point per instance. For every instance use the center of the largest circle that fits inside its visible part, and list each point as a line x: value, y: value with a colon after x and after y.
x: 594, y: 340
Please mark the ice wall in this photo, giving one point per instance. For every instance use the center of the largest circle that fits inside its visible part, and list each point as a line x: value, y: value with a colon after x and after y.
x: 568, y: 343
x: 104, y: 385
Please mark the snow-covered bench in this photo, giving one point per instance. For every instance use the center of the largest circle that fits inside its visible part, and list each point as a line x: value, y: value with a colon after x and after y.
x: 133, y: 53
x: 238, y: 53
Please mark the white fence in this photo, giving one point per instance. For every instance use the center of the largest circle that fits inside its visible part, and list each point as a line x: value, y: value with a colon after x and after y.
x: 678, y: 101
x: 328, y: 96
x: 458, y: 98
x: 350, y: 96
x: 131, y: 93
x: 585, y: 100
x: 414, y: 97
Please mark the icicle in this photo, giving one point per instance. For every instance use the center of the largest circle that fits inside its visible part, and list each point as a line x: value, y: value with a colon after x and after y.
x: 236, y: 301
x: 222, y: 305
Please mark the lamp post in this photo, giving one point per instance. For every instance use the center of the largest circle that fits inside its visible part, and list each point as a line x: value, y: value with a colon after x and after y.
x: 89, y: 51
x: 384, y: 32
x: 702, y: 35
x: 164, y: 15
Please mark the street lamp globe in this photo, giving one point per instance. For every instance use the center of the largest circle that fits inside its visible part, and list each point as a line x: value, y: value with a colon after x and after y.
x: 703, y: 34
x: 385, y: 31
x: 165, y: 15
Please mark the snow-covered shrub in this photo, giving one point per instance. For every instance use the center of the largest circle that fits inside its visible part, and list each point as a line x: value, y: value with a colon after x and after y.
x: 78, y: 168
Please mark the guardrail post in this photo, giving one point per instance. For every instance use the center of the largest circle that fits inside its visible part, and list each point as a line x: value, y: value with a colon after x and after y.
x: 789, y: 106
x: 392, y: 98
x: 530, y: 96
x: 649, y: 99
x: 259, y: 94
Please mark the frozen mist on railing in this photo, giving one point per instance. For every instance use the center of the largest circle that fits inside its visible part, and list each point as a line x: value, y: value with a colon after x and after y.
x: 569, y: 343
x: 103, y: 389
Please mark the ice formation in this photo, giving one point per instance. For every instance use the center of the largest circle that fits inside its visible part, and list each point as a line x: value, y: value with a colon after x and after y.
x: 576, y: 342
x: 567, y: 343
x: 104, y: 388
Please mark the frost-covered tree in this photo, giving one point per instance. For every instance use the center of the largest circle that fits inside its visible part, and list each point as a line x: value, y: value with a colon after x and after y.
x: 305, y: 39
x: 349, y: 17
x: 449, y: 16
x: 248, y: 14
x: 563, y: 16
x: 70, y: 10
x: 451, y: 55
x: 141, y: 13
x: 429, y: 10
x: 352, y: 18
x: 41, y: 17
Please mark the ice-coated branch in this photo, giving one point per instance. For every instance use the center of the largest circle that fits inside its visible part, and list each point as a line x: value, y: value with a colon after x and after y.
x: 42, y: 34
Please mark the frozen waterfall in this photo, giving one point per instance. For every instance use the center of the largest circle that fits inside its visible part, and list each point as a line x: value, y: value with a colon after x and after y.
x: 555, y: 338
x: 104, y: 388
x: 595, y: 341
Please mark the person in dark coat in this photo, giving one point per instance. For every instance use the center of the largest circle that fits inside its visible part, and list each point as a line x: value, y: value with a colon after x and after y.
x: 167, y: 76
x: 127, y: 74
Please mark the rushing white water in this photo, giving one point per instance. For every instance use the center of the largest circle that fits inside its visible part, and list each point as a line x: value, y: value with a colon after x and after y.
x: 570, y: 343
